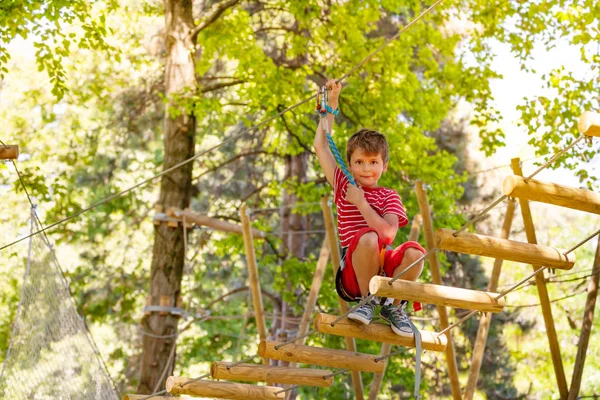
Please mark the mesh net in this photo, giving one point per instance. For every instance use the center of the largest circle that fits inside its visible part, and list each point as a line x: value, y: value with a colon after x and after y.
x: 51, y: 355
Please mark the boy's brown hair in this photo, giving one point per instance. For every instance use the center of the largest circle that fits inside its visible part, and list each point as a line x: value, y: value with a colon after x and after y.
x: 370, y: 142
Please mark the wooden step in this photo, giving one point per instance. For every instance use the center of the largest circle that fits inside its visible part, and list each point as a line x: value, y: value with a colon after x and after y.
x: 319, y: 356
x: 222, y: 390
x: 435, y: 294
x: 551, y: 193
x: 9, y: 152
x: 376, y: 332
x: 505, y: 249
x: 264, y: 373
x: 589, y: 123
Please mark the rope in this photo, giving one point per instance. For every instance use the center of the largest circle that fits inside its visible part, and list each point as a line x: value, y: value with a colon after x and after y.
x: 584, y: 241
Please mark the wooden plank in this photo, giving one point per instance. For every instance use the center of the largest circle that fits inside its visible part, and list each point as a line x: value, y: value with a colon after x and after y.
x: 335, y: 261
x: 145, y: 396
x: 203, y: 220
x: 224, y: 390
x: 376, y: 332
x: 386, y: 348
x: 437, y: 279
x: 320, y: 356
x: 486, y: 319
x: 9, y: 152
x: 509, y: 250
x: 589, y: 123
x: 586, y: 327
x: 543, y: 293
x: 263, y: 373
x: 551, y: 193
x: 436, y: 294
x: 253, y: 276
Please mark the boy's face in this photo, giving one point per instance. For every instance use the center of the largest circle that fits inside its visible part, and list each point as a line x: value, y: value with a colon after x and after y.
x: 366, y: 168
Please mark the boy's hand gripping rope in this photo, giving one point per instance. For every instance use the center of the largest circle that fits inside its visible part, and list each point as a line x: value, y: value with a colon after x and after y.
x: 323, y: 108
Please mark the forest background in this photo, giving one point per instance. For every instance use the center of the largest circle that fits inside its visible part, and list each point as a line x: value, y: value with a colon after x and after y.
x: 90, y: 94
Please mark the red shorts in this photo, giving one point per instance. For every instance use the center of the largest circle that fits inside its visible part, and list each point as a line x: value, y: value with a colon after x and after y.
x: 346, y: 282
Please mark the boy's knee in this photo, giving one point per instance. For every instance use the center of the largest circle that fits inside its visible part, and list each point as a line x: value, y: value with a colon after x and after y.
x: 369, y: 240
x: 412, y: 255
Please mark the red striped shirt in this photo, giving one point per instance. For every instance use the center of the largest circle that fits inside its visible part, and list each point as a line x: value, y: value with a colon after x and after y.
x: 350, y: 220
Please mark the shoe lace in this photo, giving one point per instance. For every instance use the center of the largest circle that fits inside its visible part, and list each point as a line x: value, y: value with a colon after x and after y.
x: 399, y: 313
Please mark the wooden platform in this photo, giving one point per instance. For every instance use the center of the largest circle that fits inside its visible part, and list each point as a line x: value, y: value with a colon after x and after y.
x: 511, y: 250
x: 343, y: 359
x: 436, y: 294
x: 376, y: 332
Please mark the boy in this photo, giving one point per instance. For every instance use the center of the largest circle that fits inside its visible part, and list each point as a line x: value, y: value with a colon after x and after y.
x: 368, y: 218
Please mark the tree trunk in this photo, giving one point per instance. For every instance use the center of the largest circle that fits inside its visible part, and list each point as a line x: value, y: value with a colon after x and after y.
x: 175, y: 191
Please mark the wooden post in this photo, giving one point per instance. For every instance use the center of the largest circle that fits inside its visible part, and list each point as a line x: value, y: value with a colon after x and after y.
x: 376, y: 332
x: 486, y: 318
x: 253, y: 276
x: 343, y: 359
x: 9, y: 152
x: 386, y: 348
x: 436, y: 294
x: 551, y: 193
x: 586, y: 328
x: 335, y: 261
x: 510, y: 250
x: 226, y: 390
x: 543, y: 293
x: 263, y: 373
x: 589, y: 123
x: 437, y: 279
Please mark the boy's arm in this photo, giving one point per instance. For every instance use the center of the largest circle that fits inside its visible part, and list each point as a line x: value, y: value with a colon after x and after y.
x: 326, y: 158
x: 386, y: 226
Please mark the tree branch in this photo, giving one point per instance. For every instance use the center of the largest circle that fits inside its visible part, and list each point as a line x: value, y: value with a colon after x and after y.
x: 222, y: 85
x: 224, y: 6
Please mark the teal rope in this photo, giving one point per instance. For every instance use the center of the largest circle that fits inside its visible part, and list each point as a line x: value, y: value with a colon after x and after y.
x: 339, y: 159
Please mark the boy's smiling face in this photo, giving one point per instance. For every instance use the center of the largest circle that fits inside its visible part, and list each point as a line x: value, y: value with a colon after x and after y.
x: 366, y: 168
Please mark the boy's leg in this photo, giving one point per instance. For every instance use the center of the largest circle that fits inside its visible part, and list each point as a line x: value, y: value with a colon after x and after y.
x: 363, y: 254
x: 397, y: 261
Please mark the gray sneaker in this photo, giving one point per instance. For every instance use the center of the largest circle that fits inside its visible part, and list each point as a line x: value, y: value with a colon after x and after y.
x: 364, y: 313
x: 398, y: 318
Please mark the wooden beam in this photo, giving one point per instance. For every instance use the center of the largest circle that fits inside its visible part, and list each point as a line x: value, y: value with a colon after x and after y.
x: 586, y: 327
x: 437, y: 279
x: 263, y: 373
x: 335, y: 261
x: 551, y: 193
x: 9, y: 152
x: 253, y: 276
x: 589, y: 123
x: 145, y: 396
x: 375, y: 332
x: 486, y: 318
x: 203, y: 220
x: 386, y: 348
x: 511, y: 250
x: 543, y: 293
x: 224, y: 390
x: 319, y: 356
x: 436, y: 294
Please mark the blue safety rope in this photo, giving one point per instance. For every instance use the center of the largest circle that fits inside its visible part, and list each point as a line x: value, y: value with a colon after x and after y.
x: 323, y: 108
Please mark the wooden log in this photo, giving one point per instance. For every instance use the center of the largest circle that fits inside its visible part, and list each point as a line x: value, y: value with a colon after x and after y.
x: 486, y: 319
x: 551, y: 193
x: 540, y: 282
x: 376, y: 332
x: 386, y: 348
x: 437, y: 279
x: 9, y: 152
x: 589, y: 123
x: 335, y: 261
x: 224, y: 390
x: 436, y: 294
x: 253, y: 276
x: 263, y: 373
x: 145, y: 396
x: 489, y: 246
x: 319, y: 356
x: 217, y: 224
x: 586, y: 327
